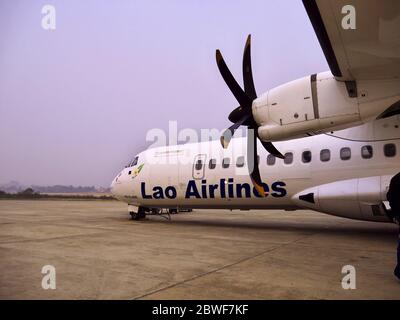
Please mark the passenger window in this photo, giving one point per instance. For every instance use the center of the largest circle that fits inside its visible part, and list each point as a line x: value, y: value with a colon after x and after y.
x: 306, y: 156
x: 389, y: 150
x: 367, y: 152
x: 288, y: 158
x: 225, y: 163
x: 325, y: 155
x: 199, y: 165
x: 271, y: 159
x: 212, y: 164
x: 240, y: 162
x: 345, y: 153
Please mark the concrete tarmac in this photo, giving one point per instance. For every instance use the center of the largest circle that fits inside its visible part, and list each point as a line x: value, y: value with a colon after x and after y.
x: 99, y: 253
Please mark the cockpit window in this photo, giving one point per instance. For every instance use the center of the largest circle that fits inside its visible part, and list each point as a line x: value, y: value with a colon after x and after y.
x: 134, y: 162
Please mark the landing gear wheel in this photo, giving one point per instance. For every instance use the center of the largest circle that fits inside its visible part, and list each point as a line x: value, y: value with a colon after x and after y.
x: 134, y: 215
x: 139, y: 215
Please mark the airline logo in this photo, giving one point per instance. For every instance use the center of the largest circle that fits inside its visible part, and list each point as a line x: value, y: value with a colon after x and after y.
x: 136, y: 171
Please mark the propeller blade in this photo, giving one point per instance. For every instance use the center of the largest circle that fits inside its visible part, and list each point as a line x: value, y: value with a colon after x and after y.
x: 252, y: 162
x: 228, y: 133
x: 238, y: 113
x: 271, y: 149
x: 235, y: 88
x: 248, y: 81
x: 250, y: 90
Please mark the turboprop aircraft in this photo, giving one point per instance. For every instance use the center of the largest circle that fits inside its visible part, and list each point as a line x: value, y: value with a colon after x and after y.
x: 329, y: 142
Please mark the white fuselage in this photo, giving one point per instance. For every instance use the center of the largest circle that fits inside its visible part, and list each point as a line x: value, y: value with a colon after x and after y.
x: 169, y: 177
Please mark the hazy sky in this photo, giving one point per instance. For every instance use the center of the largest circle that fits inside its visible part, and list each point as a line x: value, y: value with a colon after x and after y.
x: 76, y: 102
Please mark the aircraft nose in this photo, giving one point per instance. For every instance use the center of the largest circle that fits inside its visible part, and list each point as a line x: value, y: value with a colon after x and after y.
x: 114, y: 185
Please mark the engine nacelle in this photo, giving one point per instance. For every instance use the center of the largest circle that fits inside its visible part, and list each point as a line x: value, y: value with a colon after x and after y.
x: 361, y: 198
x: 318, y: 104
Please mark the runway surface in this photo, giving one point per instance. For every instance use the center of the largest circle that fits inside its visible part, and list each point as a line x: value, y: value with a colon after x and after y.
x: 207, y: 254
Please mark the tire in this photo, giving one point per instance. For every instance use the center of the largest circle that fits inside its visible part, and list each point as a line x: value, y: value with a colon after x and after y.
x: 134, y: 215
x: 141, y: 215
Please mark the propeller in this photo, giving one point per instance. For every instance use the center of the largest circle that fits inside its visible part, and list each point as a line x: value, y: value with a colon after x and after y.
x: 243, y: 114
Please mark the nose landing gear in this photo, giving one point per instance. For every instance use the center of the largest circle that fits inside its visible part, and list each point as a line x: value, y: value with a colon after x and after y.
x: 137, y: 213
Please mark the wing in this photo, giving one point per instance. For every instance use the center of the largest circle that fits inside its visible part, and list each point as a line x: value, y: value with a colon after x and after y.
x: 371, y: 50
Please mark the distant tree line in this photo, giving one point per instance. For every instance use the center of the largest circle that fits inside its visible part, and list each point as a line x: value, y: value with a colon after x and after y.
x: 30, y: 193
x: 63, y: 189
x: 16, y: 187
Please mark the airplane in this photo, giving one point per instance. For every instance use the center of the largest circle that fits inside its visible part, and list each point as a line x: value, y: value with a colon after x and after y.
x: 329, y: 142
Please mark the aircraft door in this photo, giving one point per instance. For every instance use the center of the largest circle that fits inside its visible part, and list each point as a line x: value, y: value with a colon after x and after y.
x: 199, y: 165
